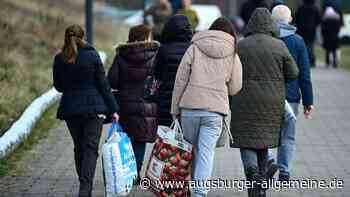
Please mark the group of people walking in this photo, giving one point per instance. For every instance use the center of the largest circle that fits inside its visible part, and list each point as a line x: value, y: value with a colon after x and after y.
x: 204, y: 77
x: 308, y: 19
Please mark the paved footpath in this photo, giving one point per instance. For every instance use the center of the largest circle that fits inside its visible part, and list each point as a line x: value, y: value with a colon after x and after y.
x: 323, y: 152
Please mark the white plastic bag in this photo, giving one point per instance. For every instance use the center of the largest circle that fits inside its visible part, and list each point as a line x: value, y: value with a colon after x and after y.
x: 166, y: 132
x: 119, y: 163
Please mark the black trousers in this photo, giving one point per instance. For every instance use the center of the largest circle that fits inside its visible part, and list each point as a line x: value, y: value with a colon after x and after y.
x: 139, y: 151
x: 86, y: 134
x: 334, y: 57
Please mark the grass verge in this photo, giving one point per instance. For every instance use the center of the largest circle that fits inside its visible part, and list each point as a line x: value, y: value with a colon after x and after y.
x: 344, y: 59
x: 8, y: 166
x: 32, y: 33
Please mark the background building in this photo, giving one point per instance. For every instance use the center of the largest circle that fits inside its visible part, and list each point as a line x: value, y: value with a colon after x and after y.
x: 228, y: 7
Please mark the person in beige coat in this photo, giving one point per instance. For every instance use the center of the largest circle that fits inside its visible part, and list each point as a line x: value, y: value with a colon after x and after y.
x: 209, y: 73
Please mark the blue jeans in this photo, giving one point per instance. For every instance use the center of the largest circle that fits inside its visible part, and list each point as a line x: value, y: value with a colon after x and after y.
x: 202, y: 129
x: 286, y: 151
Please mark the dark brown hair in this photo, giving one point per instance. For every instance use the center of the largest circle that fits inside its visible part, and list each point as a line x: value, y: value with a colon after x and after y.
x: 73, y: 40
x: 225, y: 25
x: 139, y: 33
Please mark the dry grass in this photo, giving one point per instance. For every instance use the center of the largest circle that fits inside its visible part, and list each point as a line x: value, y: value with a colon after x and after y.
x: 31, y: 34
x: 345, y: 60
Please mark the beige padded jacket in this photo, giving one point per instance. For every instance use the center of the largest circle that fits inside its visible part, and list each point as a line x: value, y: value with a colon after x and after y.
x: 208, y: 73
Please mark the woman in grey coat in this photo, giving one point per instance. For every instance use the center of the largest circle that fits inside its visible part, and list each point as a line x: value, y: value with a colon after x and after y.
x: 257, y: 111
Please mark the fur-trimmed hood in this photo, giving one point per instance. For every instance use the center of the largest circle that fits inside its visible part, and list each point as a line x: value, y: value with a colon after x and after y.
x: 138, y: 52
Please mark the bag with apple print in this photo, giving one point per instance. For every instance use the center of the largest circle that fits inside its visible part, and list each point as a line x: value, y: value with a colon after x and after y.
x: 171, y: 161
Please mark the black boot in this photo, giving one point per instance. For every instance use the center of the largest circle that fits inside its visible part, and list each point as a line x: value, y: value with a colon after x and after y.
x: 254, y: 175
x: 85, y: 189
x: 271, y: 171
x: 261, y: 192
x: 137, y: 181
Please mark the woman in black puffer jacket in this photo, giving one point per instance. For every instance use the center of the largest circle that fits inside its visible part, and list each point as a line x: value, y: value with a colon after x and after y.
x: 176, y: 38
x: 87, y: 99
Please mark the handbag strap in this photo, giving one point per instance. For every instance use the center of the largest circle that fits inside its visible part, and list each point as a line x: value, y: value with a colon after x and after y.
x: 175, y: 125
x: 228, y: 130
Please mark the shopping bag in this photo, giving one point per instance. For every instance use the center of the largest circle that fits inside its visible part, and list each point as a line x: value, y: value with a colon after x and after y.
x: 170, y: 160
x: 119, y: 163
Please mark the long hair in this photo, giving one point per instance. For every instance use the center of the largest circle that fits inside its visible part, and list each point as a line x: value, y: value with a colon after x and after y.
x: 73, y: 40
x: 225, y: 25
x: 139, y: 33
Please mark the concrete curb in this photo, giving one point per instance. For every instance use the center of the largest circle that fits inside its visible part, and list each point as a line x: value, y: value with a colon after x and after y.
x: 23, y: 126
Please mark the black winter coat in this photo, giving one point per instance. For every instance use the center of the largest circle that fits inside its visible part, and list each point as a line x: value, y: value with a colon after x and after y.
x: 133, y: 63
x: 330, y: 31
x: 85, y: 89
x: 257, y: 111
x: 307, y: 19
x: 176, y: 38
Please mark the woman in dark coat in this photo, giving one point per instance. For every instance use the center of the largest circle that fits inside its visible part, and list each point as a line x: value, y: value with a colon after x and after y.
x: 176, y: 38
x: 257, y: 111
x: 331, y: 24
x: 87, y: 99
x: 133, y: 63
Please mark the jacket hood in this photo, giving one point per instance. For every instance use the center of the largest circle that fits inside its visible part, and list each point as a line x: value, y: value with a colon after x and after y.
x: 261, y: 22
x: 215, y: 44
x: 285, y: 29
x: 177, y: 29
x: 138, y: 52
x: 330, y: 13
